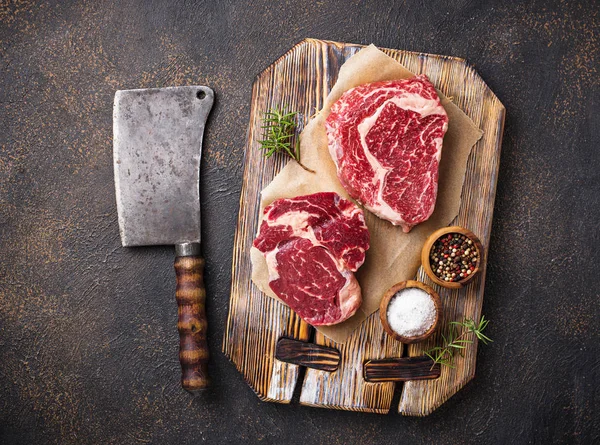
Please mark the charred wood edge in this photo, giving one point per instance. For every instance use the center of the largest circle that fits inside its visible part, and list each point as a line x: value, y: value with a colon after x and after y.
x: 400, y: 369
x: 306, y: 354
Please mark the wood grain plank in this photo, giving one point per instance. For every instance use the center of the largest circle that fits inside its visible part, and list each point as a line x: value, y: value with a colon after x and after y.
x: 302, y: 78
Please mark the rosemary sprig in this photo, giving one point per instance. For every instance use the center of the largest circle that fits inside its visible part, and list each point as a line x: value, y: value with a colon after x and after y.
x: 279, y: 128
x: 456, y: 341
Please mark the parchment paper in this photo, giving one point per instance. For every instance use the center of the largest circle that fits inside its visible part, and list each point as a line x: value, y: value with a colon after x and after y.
x: 394, y: 256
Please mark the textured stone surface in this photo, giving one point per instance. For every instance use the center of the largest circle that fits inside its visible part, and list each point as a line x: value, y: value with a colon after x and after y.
x: 88, y: 341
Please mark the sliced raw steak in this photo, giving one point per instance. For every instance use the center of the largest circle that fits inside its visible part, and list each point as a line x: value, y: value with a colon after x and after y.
x: 312, y: 245
x: 386, y: 141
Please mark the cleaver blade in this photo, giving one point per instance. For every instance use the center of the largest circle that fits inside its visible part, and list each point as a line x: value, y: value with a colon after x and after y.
x: 157, y: 147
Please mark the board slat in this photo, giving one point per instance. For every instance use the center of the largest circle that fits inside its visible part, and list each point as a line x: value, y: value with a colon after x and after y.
x: 346, y: 388
x: 302, y: 79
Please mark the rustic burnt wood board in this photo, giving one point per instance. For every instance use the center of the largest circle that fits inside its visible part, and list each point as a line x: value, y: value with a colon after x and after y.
x: 300, y: 80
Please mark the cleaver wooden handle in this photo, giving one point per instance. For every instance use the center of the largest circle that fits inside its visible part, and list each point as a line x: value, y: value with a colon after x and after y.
x: 192, y: 324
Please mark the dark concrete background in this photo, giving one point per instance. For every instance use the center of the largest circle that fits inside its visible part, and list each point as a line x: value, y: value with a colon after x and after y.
x: 88, y: 342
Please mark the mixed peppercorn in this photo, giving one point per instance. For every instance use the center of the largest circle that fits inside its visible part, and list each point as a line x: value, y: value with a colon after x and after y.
x: 453, y: 257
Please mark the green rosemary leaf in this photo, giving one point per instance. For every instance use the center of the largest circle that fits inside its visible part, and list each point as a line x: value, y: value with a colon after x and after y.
x: 484, y: 339
x: 455, y: 341
x: 483, y: 324
x: 279, y: 131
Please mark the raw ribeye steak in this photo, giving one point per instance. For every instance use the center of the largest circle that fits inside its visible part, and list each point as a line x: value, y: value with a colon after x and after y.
x: 313, y: 244
x: 386, y: 141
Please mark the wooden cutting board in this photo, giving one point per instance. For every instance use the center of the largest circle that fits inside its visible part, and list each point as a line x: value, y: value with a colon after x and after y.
x: 301, y: 79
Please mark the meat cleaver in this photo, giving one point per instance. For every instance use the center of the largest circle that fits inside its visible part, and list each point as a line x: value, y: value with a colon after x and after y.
x: 157, y: 145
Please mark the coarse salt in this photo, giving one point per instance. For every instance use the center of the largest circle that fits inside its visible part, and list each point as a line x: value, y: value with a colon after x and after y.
x: 411, y: 312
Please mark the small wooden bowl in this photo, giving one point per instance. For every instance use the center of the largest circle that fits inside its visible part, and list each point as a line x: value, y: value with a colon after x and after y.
x: 385, y: 301
x: 426, y: 262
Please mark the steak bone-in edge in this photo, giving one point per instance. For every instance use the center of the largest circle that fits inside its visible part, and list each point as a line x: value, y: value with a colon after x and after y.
x: 313, y: 244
